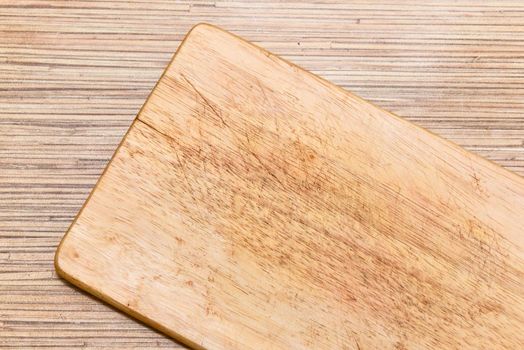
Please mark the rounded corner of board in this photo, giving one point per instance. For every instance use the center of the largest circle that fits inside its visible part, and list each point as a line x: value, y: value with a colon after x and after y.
x: 203, y: 29
x: 202, y: 26
x: 59, y: 261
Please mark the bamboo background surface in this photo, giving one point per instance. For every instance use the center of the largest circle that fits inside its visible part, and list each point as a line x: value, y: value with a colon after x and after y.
x: 73, y: 75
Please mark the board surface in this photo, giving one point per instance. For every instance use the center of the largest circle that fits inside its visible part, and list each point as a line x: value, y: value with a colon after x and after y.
x: 254, y: 205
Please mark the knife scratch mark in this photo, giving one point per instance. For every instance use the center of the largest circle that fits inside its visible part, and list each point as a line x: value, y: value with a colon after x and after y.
x: 205, y: 100
x: 269, y: 171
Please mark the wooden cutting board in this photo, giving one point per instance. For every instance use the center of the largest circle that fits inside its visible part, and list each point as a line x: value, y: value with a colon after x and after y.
x: 253, y: 205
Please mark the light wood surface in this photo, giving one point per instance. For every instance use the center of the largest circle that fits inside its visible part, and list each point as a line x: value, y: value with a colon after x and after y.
x: 74, y: 74
x: 253, y: 205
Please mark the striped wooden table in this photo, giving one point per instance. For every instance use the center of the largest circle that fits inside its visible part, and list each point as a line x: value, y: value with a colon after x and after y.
x: 73, y: 75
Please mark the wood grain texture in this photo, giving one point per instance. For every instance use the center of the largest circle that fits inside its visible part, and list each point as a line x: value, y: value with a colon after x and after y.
x: 73, y: 75
x: 253, y: 205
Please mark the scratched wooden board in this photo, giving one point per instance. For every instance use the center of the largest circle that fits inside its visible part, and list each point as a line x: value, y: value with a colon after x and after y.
x: 254, y: 205
x: 74, y: 74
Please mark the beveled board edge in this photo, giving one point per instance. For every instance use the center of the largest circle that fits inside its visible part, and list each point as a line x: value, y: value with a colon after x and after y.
x: 146, y: 320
